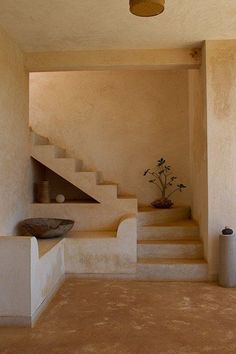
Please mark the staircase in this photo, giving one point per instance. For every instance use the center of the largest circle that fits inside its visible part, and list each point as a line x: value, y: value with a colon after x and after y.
x: 69, y: 168
x: 169, y: 247
x: 102, y: 216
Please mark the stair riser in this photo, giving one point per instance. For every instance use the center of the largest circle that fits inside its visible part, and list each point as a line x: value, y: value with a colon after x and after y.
x: 161, y: 216
x: 167, y: 233
x: 63, y: 165
x: 110, y: 189
x: 85, y: 178
x: 38, y: 139
x: 59, y: 152
x: 47, y: 151
x: 172, y: 272
x: 78, y: 165
x: 43, y: 152
x: 191, y: 251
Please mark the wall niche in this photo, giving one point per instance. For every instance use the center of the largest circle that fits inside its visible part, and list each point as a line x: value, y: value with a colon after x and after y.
x: 57, y: 185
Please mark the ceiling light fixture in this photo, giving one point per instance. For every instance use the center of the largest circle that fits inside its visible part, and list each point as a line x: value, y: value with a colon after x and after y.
x: 146, y: 8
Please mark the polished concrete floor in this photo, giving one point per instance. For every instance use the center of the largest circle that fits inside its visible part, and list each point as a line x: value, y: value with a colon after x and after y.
x: 130, y: 317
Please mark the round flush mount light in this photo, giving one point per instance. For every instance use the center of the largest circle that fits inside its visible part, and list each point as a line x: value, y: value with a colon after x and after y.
x: 146, y: 8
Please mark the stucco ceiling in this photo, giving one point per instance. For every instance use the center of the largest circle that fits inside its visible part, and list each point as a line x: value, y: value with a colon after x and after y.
x: 39, y: 25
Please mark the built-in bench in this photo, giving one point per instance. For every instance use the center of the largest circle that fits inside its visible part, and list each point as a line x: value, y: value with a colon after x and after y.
x: 32, y: 270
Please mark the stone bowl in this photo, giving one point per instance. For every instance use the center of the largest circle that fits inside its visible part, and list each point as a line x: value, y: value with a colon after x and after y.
x: 45, y: 227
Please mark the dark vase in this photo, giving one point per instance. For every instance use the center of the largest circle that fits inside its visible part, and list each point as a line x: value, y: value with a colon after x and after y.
x: 163, y: 203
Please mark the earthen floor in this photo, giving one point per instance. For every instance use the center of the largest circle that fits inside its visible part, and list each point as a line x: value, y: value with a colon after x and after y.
x: 130, y: 317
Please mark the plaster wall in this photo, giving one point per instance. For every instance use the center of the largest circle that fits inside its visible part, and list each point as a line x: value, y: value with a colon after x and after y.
x: 15, y: 275
x: 28, y: 281
x: 119, y: 123
x: 47, y: 272
x: 198, y: 152
x: 220, y: 64
x: 14, y: 137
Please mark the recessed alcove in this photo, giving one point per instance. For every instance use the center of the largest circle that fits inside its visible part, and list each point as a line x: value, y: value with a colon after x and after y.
x: 57, y: 185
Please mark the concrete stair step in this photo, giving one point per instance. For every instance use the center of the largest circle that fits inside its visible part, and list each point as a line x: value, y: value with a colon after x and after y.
x: 172, y: 269
x: 59, y: 152
x: 48, y: 150
x: 107, y: 191
x: 86, y: 181
x: 69, y: 168
x: 170, y: 249
x: 179, y: 230
x: 107, y: 184
x: 37, y: 139
x: 86, y: 178
x: 152, y: 216
x: 64, y: 164
x: 43, y: 152
x: 127, y: 196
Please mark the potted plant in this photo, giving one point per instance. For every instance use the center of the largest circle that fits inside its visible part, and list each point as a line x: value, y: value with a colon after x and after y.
x: 163, y: 178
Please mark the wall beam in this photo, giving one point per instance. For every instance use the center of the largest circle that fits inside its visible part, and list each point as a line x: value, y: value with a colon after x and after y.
x: 113, y: 59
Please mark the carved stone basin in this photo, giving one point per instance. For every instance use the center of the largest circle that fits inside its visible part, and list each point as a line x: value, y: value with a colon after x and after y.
x: 46, y: 227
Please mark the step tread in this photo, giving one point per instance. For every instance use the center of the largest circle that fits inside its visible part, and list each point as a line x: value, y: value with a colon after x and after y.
x: 170, y: 242
x: 68, y: 202
x: 180, y: 223
x: 107, y: 184
x: 86, y: 172
x: 63, y: 158
x: 43, y: 144
x: 148, y: 208
x: 127, y: 197
x: 170, y: 261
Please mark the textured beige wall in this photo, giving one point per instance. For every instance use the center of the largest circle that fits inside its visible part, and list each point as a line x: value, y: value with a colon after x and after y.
x: 118, y: 122
x: 14, y: 137
x: 15, y: 258
x: 198, y: 152
x: 221, y: 127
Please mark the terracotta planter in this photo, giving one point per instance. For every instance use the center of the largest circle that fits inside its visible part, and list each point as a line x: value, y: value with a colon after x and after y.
x: 163, y: 203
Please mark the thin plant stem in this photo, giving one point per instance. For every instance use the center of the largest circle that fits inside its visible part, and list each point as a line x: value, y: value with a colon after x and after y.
x: 157, y: 186
x: 172, y: 192
x: 163, y: 178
